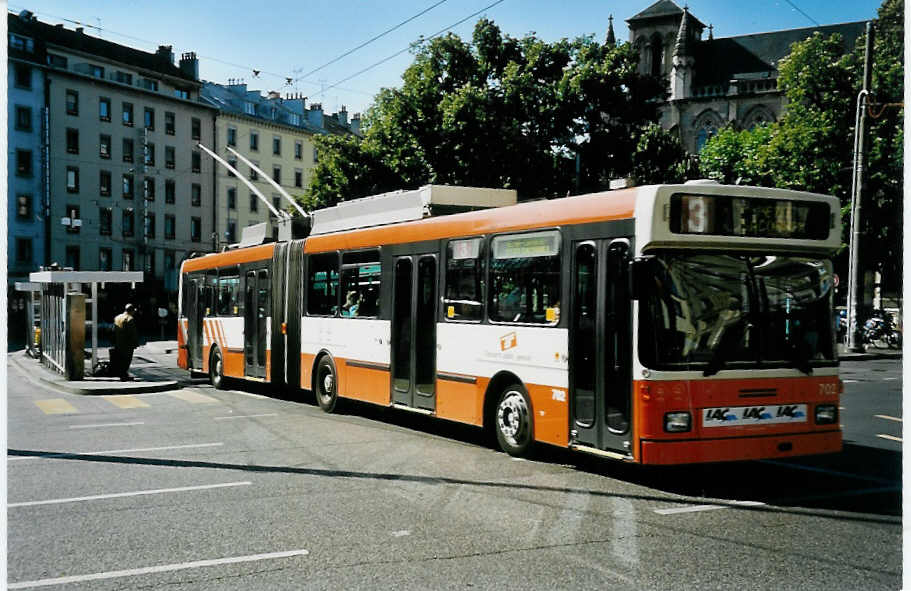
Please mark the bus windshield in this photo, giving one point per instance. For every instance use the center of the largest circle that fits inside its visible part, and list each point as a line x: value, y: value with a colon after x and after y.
x: 714, y: 311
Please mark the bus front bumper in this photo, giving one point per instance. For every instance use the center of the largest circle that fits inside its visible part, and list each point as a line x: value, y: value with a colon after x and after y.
x: 732, y: 449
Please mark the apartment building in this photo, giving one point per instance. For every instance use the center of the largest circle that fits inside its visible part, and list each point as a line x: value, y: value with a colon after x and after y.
x: 26, y: 159
x: 127, y: 188
x: 275, y: 133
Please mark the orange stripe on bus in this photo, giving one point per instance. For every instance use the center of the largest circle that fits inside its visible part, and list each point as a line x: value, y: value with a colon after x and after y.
x: 596, y: 207
x: 233, y: 257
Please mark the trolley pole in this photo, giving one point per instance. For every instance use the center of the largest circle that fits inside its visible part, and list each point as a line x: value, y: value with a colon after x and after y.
x: 855, y: 281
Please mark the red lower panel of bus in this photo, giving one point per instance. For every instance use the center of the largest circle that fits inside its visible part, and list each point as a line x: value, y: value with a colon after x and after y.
x: 738, y: 439
x: 748, y: 448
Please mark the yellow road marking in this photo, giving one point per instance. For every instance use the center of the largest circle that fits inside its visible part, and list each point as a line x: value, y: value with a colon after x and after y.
x: 126, y: 401
x: 192, y: 397
x: 890, y: 437
x: 55, y: 406
x: 888, y: 418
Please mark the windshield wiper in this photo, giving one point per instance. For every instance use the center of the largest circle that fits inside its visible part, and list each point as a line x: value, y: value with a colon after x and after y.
x: 726, y: 344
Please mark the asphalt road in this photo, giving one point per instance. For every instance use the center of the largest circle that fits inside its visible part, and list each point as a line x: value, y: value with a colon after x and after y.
x: 206, y: 489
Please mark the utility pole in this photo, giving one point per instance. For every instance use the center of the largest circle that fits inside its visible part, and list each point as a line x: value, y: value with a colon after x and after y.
x: 855, y: 279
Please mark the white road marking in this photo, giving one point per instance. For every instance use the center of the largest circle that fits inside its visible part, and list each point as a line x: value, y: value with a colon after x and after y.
x: 163, y: 568
x: 401, y: 533
x: 888, y: 418
x: 106, y: 425
x: 251, y: 395
x: 135, y: 493
x: 624, y: 537
x: 271, y: 414
x: 850, y: 381
x: 696, y: 508
x: 110, y: 451
x: 889, y: 379
x: 889, y: 437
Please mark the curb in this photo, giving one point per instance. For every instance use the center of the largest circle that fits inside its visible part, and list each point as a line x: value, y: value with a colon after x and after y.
x: 68, y: 386
x: 869, y: 355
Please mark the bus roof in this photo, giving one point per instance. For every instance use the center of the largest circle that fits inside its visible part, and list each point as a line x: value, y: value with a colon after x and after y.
x: 593, y: 207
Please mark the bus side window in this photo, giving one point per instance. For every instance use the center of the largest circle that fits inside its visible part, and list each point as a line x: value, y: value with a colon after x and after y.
x: 525, y: 278
x: 360, y: 287
x: 322, y: 284
x: 464, y: 292
x: 229, y: 301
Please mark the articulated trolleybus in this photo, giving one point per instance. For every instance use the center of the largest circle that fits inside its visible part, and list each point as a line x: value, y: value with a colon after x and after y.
x: 661, y: 324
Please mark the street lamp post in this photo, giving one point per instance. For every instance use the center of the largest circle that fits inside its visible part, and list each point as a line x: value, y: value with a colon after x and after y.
x: 860, y: 124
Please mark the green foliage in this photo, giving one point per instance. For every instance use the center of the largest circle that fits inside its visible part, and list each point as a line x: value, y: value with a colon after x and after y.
x: 659, y: 157
x: 498, y: 111
x: 811, y: 147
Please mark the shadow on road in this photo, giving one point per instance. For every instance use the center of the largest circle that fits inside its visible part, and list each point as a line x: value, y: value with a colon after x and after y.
x: 860, y: 479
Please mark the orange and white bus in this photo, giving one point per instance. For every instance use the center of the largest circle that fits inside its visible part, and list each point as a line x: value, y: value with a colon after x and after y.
x: 661, y: 324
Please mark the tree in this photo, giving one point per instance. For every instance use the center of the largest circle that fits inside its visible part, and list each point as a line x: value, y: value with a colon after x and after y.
x: 810, y: 147
x: 497, y: 112
x: 659, y: 157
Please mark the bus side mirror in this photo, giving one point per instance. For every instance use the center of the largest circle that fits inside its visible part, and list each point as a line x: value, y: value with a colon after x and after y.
x: 641, y: 270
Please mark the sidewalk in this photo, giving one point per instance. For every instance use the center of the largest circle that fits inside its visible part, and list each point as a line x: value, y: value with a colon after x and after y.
x: 870, y: 353
x: 154, y: 368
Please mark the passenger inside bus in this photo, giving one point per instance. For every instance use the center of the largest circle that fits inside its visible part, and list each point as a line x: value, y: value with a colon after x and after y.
x: 352, y: 302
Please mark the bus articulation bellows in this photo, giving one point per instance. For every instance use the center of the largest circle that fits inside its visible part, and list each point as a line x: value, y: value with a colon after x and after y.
x: 664, y: 324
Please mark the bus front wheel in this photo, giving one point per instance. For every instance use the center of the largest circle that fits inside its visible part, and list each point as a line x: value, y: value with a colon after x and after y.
x: 217, y: 370
x: 326, y: 384
x: 513, y: 421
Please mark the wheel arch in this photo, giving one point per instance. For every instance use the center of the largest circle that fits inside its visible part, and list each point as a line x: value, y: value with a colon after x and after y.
x: 495, y: 387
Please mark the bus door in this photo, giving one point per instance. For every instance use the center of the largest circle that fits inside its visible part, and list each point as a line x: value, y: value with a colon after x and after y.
x: 414, y: 342
x: 600, y: 346
x: 195, y: 312
x: 257, y: 308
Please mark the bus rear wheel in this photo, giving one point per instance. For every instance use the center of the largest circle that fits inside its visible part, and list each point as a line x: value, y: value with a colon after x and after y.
x: 513, y: 421
x: 326, y: 386
x: 217, y: 370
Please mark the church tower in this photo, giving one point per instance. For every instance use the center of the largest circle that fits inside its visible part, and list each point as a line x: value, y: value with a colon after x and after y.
x: 683, y: 62
x: 653, y: 33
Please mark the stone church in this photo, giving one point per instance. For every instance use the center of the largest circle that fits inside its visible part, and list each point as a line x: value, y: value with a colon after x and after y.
x: 715, y: 82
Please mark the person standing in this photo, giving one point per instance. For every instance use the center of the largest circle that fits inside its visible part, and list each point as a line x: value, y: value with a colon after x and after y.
x: 126, y: 339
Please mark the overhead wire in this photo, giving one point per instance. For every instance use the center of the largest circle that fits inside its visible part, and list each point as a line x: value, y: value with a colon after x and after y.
x: 323, y: 90
x: 398, y: 53
x: 797, y: 8
x: 256, y: 71
x: 369, y: 41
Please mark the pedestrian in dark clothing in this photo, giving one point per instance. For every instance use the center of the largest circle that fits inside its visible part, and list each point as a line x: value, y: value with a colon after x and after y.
x: 126, y: 339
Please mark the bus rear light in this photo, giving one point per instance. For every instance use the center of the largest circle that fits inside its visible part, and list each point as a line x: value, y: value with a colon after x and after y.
x: 284, y: 328
x: 677, y: 422
x: 826, y: 414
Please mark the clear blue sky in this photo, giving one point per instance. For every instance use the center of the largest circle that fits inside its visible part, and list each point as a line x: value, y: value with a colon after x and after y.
x: 284, y: 38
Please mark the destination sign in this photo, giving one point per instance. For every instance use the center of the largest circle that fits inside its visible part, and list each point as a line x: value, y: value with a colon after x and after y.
x: 723, y: 215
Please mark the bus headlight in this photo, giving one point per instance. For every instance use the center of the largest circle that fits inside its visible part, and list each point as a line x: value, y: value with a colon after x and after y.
x: 677, y: 422
x: 826, y: 414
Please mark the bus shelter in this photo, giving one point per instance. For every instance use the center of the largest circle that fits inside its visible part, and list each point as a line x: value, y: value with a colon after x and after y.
x: 63, y: 315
